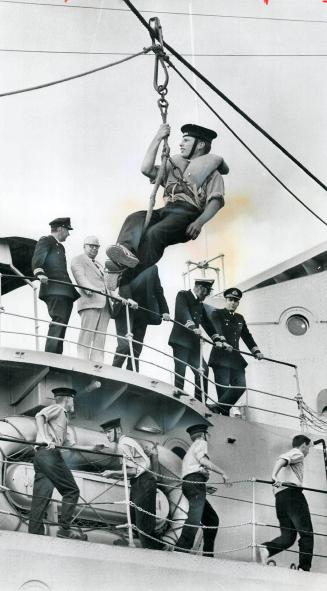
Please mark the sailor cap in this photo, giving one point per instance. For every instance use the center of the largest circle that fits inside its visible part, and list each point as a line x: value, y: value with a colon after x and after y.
x: 199, y: 132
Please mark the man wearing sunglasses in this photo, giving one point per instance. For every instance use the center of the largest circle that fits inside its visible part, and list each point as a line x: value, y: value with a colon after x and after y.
x: 225, y: 359
x: 93, y: 307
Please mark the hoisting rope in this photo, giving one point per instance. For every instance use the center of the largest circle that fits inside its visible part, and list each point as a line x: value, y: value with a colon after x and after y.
x: 225, y: 98
x: 162, y: 89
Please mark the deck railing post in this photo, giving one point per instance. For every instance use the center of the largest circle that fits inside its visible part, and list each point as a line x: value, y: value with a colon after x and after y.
x: 128, y: 508
x: 130, y: 337
x: 201, y: 372
x: 36, y: 318
x: 253, y: 521
x: 0, y: 303
x: 299, y: 400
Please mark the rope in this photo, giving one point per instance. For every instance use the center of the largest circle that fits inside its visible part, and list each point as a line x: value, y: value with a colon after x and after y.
x: 228, y: 100
x: 174, y: 547
x: 244, y: 144
x: 75, y: 76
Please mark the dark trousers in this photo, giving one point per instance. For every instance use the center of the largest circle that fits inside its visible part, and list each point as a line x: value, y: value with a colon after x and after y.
x: 200, y: 512
x: 143, y: 494
x: 59, y: 308
x: 167, y: 227
x: 190, y: 357
x: 51, y: 472
x: 294, y: 517
x: 138, y: 328
x: 229, y: 376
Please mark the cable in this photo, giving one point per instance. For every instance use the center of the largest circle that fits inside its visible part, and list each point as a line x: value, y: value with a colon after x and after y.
x: 169, y: 12
x: 62, y: 52
x: 246, y: 146
x: 39, y: 86
x: 227, y: 99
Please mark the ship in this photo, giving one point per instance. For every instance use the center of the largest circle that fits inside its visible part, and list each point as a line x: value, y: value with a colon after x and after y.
x: 278, y: 403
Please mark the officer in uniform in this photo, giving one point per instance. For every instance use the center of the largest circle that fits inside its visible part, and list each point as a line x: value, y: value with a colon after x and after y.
x: 193, y: 194
x: 191, y: 313
x: 49, y: 263
x: 227, y: 363
x: 195, y: 472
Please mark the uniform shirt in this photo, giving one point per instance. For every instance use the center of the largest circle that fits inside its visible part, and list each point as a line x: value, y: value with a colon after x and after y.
x: 193, y: 456
x: 293, y: 471
x: 198, y: 196
x: 134, y: 454
x: 56, y: 418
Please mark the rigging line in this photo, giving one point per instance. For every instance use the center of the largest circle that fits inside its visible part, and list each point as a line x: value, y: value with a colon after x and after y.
x: 76, y: 52
x: 100, y: 68
x: 247, y: 147
x: 175, y: 13
x: 226, y: 98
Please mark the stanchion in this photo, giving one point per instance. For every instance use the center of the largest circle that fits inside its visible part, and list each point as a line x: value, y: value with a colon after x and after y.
x: 130, y: 337
x: 201, y: 372
x: 36, y: 317
x: 128, y: 508
x: 254, y: 541
x: 0, y: 303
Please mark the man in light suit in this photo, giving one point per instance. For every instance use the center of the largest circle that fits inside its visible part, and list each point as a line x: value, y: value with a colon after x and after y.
x: 94, y: 308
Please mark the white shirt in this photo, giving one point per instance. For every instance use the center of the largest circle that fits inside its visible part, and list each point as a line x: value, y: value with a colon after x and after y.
x: 56, y: 418
x: 293, y: 471
x: 191, y: 460
x: 134, y: 454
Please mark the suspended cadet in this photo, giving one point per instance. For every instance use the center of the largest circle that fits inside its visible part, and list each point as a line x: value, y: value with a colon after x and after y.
x: 193, y: 194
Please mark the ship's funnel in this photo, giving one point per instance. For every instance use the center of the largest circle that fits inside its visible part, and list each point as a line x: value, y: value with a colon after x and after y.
x: 148, y: 424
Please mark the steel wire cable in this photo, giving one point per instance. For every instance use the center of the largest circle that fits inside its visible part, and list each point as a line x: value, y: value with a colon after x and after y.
x: 225, y: 98
x: 75, y: 76
x: 245, y: 145
x: 184, y: 54
x: 168, y: 12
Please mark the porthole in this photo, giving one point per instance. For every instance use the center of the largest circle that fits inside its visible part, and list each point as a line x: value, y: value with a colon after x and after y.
x: 297, y: 325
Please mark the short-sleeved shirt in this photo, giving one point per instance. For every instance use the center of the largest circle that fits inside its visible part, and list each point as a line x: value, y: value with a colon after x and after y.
x: 293, y: 471
x: 212, y: 188
x: 193, y: 457
x: 134, y: 454
x: 56, y: 418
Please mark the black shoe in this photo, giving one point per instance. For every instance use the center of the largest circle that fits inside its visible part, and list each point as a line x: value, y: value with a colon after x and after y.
x: 122, y: 256
x: 71, y: 534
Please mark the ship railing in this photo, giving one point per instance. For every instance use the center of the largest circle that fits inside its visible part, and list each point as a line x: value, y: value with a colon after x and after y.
x: 253, y: 521
x: 206, y: 399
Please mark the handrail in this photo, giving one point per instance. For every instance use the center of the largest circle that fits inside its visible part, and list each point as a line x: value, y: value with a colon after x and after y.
x: 318, y: 490
x: 125, y: 302
x: 249, y: 388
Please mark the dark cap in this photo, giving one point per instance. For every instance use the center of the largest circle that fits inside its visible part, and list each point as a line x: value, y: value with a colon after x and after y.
x: 61, y: 391
x: 200, y: 428
x: 233, y: 292
x: 205, y: 282
x: 201, y: 133
x: 64, y: 222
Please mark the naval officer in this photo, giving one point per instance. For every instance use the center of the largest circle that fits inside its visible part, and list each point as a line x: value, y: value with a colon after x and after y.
x: 49, y: 263
x: 225, y: 359
x: 190, y: 313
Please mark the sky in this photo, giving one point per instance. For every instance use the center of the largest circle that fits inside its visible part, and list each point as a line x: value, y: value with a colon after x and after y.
x: 75, y: 149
